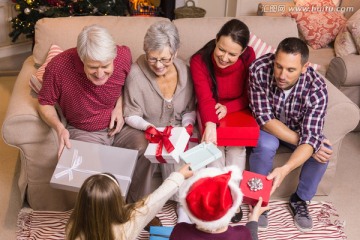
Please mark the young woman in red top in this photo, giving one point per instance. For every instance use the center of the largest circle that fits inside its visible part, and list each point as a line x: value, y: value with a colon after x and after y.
x: 220, y: 74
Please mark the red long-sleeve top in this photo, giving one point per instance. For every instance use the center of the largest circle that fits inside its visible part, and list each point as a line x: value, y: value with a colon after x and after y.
x: 232, y: 85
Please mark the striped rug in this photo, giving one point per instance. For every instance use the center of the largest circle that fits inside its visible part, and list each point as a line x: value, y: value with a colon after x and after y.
x: 51, y: 225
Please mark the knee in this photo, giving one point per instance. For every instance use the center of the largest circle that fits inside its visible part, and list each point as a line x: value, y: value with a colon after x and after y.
x: 268, y: 143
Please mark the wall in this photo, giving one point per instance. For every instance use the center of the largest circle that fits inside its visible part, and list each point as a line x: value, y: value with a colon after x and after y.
x: 7, y: 48
x: 229, y: 8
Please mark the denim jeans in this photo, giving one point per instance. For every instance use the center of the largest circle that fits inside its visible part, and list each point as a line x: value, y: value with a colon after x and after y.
x: 262, y: 157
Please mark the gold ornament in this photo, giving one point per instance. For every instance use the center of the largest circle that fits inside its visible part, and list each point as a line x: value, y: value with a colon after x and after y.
x: 17, y: 7
x: 30, y: 2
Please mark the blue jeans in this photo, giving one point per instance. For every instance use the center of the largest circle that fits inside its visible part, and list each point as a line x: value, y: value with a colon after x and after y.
x: 262, y: 157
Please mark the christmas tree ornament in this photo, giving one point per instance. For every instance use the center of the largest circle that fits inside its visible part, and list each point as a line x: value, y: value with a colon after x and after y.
x: 27, y: 11
x: 17, y: 7
x: 29, y: 2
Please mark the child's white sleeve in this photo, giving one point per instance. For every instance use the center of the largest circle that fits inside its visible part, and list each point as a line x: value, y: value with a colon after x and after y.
x: 137, y: 122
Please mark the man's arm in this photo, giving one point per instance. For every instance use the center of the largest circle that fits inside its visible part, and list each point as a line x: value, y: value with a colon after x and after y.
x: 117, y: 119
x: 49, y: 115
x: 301, y: 154
x: 281, y: 131
x: 297, y: 158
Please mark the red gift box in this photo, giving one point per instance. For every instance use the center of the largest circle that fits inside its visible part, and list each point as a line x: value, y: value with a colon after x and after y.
x: 236, y: 129
x: 252, y: 197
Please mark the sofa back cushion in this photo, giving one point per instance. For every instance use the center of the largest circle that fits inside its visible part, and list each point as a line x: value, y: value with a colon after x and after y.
x: 195, y: 32
x: 129, y: 31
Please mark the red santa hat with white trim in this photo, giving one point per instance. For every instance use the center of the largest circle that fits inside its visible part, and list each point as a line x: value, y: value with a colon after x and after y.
x: 212, y: 196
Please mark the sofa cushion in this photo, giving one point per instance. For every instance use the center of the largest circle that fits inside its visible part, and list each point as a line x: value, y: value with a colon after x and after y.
x: 36, y: 79
x: 345, y: 42
x: 355, y: 33
x: 125, y: 31
x: 260, y: 48
x: 206, y: 29
x: 317, y: 23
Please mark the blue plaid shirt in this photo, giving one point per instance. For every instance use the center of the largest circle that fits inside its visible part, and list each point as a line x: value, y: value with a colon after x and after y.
x: 305, y: 108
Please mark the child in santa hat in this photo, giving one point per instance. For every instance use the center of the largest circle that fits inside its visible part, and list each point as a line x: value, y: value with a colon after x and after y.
x: 211, y: 198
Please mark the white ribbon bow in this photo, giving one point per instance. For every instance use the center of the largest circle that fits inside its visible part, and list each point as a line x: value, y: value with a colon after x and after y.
x: 75, y: 163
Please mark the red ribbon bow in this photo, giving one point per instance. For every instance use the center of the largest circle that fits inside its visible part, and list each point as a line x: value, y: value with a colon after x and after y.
x: 162, y: 138
x: 189, y: 129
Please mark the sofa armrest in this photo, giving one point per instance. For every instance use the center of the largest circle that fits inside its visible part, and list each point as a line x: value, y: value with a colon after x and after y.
x: 22, y: 124
x: 24, y: 129
x: 344, y: 71
x: 342, y: 116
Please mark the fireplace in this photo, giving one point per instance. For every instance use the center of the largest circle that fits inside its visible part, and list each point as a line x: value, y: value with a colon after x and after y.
x: 143, y: 8
x: 162, y: 8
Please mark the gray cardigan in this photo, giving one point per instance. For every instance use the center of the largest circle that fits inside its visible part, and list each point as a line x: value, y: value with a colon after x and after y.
x: 142, y: 96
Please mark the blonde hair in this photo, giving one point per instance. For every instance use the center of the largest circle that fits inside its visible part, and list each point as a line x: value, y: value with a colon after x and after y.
x: 98, y: 207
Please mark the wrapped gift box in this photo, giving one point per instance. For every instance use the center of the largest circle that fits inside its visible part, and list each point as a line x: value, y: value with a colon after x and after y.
x: 85, y: 159
x: 160, y: 232
x: 252, y: 197
x: 201, y: 155
x: 236, y: 129
x: 179, y: 139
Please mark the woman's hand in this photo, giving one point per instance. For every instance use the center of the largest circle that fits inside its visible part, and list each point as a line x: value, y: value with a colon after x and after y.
x: 210, y: 133
x: 221, y: 110
x: 186, y: 171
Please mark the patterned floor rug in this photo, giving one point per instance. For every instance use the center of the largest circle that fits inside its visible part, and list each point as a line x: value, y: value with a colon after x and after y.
x: 51, y: 225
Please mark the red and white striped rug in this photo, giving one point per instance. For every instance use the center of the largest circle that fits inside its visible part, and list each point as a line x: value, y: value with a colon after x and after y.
x: 51, y: 225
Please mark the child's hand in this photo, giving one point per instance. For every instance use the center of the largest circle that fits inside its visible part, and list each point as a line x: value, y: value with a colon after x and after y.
x: 256, y: 211
x: 185, y: 171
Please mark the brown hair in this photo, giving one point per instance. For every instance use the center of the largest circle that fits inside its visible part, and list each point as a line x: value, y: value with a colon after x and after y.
x: 239, y: 33
x: 98, y: 207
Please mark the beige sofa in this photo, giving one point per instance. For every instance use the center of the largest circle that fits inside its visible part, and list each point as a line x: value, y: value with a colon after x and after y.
x: 24, y: 129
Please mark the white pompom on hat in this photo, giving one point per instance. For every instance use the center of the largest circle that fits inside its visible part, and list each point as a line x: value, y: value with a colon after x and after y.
x: 212, y: 196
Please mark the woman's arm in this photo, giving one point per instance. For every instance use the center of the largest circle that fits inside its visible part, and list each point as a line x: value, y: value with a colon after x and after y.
x: 155, y: 201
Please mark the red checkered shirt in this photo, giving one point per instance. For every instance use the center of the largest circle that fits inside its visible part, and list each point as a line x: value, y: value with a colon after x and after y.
x: 305, y: 108
x: 85, y: 105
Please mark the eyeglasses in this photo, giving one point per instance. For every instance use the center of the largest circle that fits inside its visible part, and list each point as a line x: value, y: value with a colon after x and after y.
x: 162, y: 60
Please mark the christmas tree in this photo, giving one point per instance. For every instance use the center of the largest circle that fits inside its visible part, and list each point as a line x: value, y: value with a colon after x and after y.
x: 30, y: 11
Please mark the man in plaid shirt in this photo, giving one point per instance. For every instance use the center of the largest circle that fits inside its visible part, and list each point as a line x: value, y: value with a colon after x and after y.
x: 289, y: 100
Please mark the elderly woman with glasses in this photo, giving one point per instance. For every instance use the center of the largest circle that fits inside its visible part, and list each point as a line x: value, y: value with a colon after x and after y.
x: 158, y: 93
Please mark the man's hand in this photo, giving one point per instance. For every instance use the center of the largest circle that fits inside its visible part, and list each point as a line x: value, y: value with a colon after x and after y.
x: 64, y: 140
x: 116, y: 122
x: 221, y: 110
x: 210, y: 133
x: 325, y: 152
x: 277, y: 175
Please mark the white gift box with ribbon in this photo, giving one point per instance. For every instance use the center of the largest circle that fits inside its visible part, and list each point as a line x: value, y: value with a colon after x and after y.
x: 85, y: 159
x: 179, y: 139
